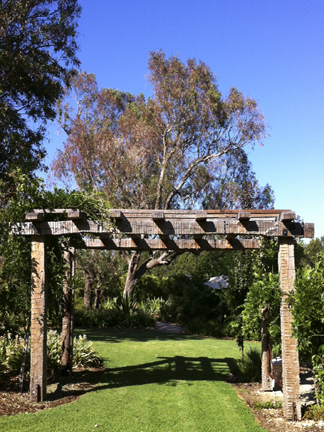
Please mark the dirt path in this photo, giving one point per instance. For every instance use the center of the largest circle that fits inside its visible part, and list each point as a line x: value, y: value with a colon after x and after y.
x: 168, y: 327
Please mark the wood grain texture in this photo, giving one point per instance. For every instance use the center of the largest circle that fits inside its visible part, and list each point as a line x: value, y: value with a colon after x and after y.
x: 171, y: 226
x: 38, y: 349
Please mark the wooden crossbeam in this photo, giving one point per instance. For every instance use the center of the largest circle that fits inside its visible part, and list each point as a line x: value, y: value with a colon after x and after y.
x: 40, y: 215
x: 244, y: 215
x: 116, y: 214
x: 201, y: 216
x: 34, y: 217
x: 75, y: 215
x: 158, y: 216
x: 184, y: 227
x: 287, y: 216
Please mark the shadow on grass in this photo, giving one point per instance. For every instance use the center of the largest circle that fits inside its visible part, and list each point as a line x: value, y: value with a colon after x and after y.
x: 164, y: 370
x: 170, y: 370
x: 115, y: 335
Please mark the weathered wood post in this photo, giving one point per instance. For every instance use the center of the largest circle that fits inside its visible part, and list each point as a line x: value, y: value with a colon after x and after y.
x: 68, y: 312
x: 38, y: 348
x: 290, y: 360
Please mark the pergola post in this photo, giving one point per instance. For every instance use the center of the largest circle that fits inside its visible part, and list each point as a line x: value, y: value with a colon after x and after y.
x: 290, y: 360
x: 38, y: 348
x: 68, y: 311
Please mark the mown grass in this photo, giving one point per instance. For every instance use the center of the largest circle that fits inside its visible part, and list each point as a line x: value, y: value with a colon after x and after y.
x: 154, y: 382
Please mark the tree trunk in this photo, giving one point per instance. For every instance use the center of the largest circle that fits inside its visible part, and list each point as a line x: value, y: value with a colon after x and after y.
x: 24, y: 357
x: 98, y: 298
x: 132, y: 275
x: 68, y: 312
x: 87, y: 290
x: 266, y: 353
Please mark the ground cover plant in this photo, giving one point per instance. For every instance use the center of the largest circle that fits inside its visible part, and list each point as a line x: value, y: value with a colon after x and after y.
x: 153, y: 381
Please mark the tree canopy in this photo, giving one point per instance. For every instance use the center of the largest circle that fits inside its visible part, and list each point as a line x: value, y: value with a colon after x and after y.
x: 37, y: 56
x: 167, y: 151
x: 183, y: 147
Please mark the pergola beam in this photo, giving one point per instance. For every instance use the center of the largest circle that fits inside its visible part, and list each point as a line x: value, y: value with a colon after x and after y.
x: 185, y: 227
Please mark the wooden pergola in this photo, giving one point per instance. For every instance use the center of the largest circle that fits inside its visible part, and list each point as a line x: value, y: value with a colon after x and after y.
x: 174, y: 230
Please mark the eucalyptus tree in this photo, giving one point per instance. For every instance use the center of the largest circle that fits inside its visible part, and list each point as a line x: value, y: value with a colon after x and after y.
x: 163, y: 152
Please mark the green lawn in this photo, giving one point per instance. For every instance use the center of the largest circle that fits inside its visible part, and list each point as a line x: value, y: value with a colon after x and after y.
x: 154, y: 382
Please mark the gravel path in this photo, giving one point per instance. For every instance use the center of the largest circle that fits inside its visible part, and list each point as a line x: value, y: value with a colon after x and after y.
x: 168, y: 327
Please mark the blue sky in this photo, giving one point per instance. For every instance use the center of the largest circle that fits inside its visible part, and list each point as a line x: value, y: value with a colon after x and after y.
x: 271, y: 50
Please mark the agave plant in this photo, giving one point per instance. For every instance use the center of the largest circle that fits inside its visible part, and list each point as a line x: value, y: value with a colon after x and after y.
x: 126, y: 305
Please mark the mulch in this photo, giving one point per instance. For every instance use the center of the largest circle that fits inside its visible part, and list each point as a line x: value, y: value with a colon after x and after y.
x: 59, y: 392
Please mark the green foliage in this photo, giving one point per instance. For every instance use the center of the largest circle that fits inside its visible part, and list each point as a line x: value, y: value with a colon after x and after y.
x: 11, y: 350
x: 308, y: 307
x: 267, y: 405
x: 84, y: 353
x: 15, y: 264
x: 152, y: 306
x: 250, y: 366
x: 181, y: 158
x: 113, y: 317
x: 126, y: 305
x: 96, y: 318
x: 152, y: 286
x: 37, y: 58
x: 194, y: 305
x: 318, y: 370
x: 264, y: 294
x: 314, y: 412
x: 314, y: 247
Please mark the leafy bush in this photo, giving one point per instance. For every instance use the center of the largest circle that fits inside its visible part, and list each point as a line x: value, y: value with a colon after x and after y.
x: 84, y: 353
x: 308, y: 308
x: 54, y: 348
x: 250, y: 366
x: 267, y: 405
x: 11, y: 350
x: 152, y: 306
x: 318, y: 369
x: 98, y: 318
x: 314, y: 412
x: 121, y: 315
x: 151, y: 286
x: 126, y: 304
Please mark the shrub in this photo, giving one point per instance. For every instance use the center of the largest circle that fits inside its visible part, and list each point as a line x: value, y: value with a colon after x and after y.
x: 250, y: 366
x: 11, y: 350
x: 318, y: 369
x: 152, y: 306
x: 84, y: 353
x: 267, y: 405
x: 122, y: 314
x: 98, y: 318
x: 314, y: 412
